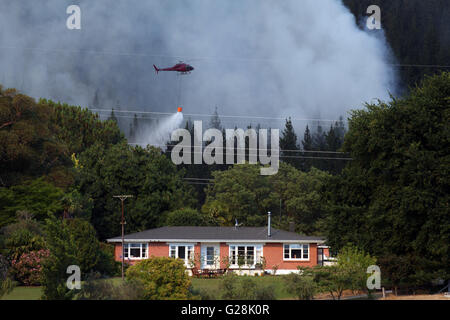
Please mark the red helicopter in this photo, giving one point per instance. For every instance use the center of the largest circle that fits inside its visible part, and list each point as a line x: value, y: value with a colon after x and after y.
x: 181, y: 67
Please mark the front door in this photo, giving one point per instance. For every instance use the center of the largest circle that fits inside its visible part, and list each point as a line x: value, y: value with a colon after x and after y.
x: 210, y: 256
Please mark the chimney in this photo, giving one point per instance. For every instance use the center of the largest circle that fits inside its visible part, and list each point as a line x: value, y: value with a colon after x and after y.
x: 269, y: 231
x: 291, y: 226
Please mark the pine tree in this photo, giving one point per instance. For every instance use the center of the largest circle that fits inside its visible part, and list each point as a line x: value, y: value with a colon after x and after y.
x: 332, y: 139
x: 131, y: 133
x: 135, y: 126
x: 215, y: 121
x: 96, y: 102
x: 112, y: 116
x: 319, y: 140
x: 288, y: 142
x: 307, y: 139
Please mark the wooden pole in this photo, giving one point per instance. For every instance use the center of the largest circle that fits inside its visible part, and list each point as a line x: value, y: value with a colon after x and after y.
x: 122, y: 222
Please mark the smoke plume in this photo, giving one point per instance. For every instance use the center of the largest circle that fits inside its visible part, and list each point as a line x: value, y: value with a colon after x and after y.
x: 300, y: 58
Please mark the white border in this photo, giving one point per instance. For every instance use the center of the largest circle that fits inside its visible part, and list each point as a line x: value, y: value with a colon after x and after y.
x: 296, y: 259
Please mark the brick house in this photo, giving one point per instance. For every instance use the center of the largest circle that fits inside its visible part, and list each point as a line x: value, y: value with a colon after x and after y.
x: 207, y: 248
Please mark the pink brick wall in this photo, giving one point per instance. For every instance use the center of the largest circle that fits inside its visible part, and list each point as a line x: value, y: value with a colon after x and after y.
x: 273, y: 252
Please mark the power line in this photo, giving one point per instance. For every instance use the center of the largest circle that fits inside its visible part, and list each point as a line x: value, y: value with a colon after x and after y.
x: 134, y: 54
x: 281, y: 156
x: 310, y: 125
x: 260, y: 149
x: 211, y: 115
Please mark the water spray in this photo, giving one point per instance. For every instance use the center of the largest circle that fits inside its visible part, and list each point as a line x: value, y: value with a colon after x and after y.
x: 160, y: 134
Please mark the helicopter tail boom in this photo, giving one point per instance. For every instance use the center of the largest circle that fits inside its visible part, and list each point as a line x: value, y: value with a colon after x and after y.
x: 156, y: 69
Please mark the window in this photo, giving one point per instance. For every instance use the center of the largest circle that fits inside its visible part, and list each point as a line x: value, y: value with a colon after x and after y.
x: 245, y: 255
x: 135, y: 250
x: 296, y: 252
x: 210, y: 256
x: 183, y: 252
x: 233, y: 255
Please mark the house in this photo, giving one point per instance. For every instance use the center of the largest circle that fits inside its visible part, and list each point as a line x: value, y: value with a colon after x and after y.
x: 212, y: 247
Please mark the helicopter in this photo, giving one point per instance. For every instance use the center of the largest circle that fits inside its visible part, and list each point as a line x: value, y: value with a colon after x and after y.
x: 180, y: 67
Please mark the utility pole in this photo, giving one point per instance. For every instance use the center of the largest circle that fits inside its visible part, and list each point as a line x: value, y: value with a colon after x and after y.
x: 122, y: 222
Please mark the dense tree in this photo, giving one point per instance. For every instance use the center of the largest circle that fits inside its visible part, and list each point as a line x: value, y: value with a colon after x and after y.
x: 186, y: 217
x: 326, y: 143
x: 71, y: 242
x: 147, y: 174
x: 36, y: 196
x: 21, y: 237
x: 62, y: 255
x: 238, y: 193
x: 39, y: 138
x: 302, y: 202
x: 27, y: 145
x: 393, y: 198
x: 291, y: 195
x: 79, y: 128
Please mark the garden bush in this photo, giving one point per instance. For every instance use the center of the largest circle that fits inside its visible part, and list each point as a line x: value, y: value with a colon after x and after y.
x: 27, y: 270
x: 161, y: 278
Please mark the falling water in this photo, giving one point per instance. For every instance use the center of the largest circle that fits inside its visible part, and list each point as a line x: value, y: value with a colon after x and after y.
x: 159, y: 135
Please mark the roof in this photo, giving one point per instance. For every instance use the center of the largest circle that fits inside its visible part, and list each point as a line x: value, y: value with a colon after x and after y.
x: 216, y: 234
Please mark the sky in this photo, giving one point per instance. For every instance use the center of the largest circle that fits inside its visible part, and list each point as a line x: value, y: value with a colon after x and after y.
x: 306, y: 59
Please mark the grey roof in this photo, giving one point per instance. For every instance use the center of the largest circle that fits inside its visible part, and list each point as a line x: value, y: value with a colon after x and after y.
x: 215, y: 234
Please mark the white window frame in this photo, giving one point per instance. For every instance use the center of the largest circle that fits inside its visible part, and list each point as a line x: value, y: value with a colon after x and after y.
x: 301, y: 248
x: 204, y: 256
x: 127, y: 249
x: 187, y: 255
x: 256, y: 247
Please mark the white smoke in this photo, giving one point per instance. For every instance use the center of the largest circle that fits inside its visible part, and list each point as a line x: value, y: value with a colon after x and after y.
x: 299, y: 58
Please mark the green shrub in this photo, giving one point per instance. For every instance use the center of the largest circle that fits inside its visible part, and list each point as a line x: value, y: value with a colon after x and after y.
x: 6, y: 285
x: 235, y: 287
x: 95, y: 288
x: 162, y: 278
x: 301, y: 286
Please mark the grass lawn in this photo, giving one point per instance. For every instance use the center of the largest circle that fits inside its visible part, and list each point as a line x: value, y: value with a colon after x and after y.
x: 23, y: 293
x: 211, y: 285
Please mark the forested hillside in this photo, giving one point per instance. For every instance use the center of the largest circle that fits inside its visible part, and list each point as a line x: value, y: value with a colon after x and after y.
x: 63, y: 160
x: 416, y: 30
